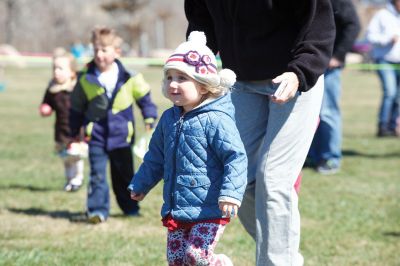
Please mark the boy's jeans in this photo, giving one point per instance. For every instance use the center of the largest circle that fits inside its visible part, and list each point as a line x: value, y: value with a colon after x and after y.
x: 277, y: 138
x: 390, y: 82
x: 121, y: 165
x: 327, y: 143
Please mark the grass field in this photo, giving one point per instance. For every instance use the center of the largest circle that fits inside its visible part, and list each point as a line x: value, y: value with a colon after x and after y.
x: 352, y: 218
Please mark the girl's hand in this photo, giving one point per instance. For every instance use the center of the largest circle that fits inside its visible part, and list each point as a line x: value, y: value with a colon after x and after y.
x: 228, y: 209
x: 137, y: 197
x: 289, y: 84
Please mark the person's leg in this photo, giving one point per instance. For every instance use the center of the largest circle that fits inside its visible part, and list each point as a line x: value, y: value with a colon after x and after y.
x: 121, y: 164
x: 387, y: 76
x: 394, y: 116
x: 291, y: 127
x: 98, y: 200
x: 397, y: 113
x: 251, y: 113
x: 69, y: 173
x: 176, y: 246
x: 77, y: 173
x: 394, y: 119
x: 328, y: 136
x: 202, y: 241
x: 80, y: 171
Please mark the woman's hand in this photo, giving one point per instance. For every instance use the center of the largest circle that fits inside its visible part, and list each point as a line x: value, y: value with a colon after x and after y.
x: 228, y: 209
x: 137, y: 197
x: 289, y: 84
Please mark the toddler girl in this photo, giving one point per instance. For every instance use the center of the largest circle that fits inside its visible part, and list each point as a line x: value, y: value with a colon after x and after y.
x: 196, y: 149
x: 57, y: 98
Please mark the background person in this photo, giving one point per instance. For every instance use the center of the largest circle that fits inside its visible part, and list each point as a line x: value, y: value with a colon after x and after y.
x: 57, y: 99
x: 326, y: 149
x: 102, y: 102
x: 271, y: 43
x: 383, y: 33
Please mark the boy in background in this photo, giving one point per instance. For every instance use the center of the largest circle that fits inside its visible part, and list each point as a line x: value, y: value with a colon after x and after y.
x: 102, y: 102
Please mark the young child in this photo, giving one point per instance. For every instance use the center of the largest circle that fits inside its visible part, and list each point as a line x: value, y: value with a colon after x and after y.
x: 197, y: 150
x: 102, y: 102
x: 57, y: 98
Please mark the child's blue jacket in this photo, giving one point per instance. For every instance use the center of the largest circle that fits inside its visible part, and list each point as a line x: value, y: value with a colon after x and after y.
x: 200, y: 157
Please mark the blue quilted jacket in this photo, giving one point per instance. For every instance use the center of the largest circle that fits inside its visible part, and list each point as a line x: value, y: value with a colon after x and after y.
x: 200, y: 157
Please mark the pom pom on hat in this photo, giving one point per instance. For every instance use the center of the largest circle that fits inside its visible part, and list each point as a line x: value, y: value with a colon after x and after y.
x: 227, y: 78
x: 195, y: 59
x: 197, y: 37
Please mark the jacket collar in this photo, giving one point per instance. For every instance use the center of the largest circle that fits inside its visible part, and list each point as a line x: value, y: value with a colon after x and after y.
x: 91, y: 76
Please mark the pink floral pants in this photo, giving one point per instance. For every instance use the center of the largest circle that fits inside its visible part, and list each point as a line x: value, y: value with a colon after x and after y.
x: 195, y: 246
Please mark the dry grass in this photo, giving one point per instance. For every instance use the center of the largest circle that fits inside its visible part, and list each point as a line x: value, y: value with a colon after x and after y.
x: 348, y: 219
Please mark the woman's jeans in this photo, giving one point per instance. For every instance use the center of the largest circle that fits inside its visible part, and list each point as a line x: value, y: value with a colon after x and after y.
x: 327, y: 143
x: 277, y: 138
x: 389, y: 75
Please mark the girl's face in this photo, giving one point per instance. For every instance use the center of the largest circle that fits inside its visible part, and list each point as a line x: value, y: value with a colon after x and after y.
x: 104, y: 56
x: 182, y: 90
x: 62, y: 71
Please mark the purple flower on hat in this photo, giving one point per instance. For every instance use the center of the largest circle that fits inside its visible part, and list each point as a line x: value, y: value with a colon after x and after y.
x: 192, y: 58
x: 202, y: 69
x: 206, y: 59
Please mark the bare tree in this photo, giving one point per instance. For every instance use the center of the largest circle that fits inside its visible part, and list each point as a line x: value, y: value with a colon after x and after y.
x: 9, y: 27
x: 41, y: 25
x: 131, y: 21
x: 124, y: 5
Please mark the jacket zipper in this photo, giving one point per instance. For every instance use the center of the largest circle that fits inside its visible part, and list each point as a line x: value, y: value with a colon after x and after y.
x: 180, y: 123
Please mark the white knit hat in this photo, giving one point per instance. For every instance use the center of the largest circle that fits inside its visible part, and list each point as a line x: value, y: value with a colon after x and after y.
x: 197, y: 60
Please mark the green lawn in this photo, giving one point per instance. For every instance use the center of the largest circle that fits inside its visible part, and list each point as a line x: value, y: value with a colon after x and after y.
x: 352, y: 218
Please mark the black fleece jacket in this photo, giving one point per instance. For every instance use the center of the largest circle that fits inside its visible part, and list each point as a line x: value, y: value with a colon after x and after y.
x: 260, y: 39
x: 347, y: 27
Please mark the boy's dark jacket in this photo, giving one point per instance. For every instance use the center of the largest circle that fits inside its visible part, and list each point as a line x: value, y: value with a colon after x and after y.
x: 109, y: 122
x: 261, y: 39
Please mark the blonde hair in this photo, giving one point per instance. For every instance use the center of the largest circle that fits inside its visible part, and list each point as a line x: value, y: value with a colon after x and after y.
x: 106, y: 36
x: 60, y: 52
x: 226, y: 78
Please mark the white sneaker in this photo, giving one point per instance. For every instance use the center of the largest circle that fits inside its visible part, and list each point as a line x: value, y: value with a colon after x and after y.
x: 69, y: 187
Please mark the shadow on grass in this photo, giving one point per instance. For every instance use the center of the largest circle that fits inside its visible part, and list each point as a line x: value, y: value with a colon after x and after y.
x: 124, y: 216
x: 75, y: 217
x: 27, y: 187
x: 351, y: 153
x: 392, y: 234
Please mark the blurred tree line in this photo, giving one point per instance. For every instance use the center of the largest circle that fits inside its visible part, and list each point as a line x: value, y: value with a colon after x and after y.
x: 147, y: 26
x: 41, y: 25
